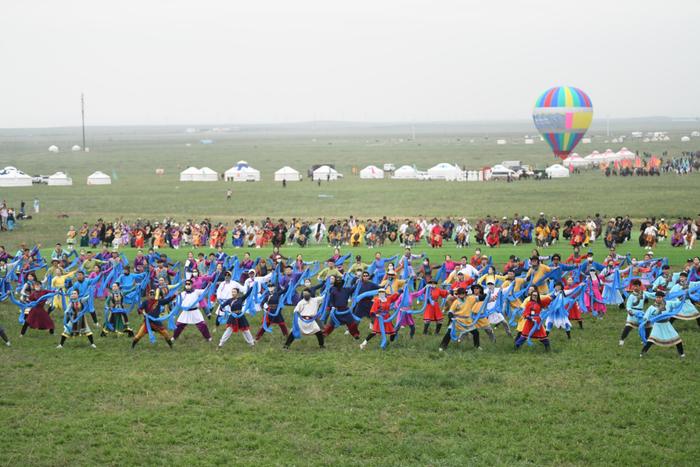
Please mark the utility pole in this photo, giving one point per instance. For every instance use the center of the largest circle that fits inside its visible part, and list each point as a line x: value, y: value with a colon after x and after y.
x: 82, y: 110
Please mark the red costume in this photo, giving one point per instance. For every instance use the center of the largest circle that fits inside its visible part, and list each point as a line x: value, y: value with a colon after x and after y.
x: 38, y: 317
x: 532, y: 318
x: 578, y: 235
x: 432, y: 310
x: 493, y: 238
x: 574, y: 311
x: 574, y: 259
x: 382, y: 309
x: 436, y: 236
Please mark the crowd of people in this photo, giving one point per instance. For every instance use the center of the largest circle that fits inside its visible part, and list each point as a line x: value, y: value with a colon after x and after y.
x: 528, y: 299
x: 542, y: 231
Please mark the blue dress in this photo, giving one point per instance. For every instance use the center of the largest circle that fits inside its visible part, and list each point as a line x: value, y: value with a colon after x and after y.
x: 662, y: 332
x: 688, y: 310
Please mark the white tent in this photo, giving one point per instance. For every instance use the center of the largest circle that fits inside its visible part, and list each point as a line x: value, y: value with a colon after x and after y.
x: 53, y: 148
x: 287, y: 173
x: 326, y: 173
x: 242, y: 172
x: 685, y: 139
x: 371, y: 172
x: 207, y: 175
x: 575, y: 161
x: 99, y: 178
x: 189, y: 174
x: 625, y: 153
x: 445, y: 171
x: 557, y: 171
x: 75, y: 148
x: 405, y: 172
x: 10, y: 176
x: 60, y: 179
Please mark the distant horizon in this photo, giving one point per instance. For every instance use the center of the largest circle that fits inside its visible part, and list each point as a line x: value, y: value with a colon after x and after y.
x: 597, y: 121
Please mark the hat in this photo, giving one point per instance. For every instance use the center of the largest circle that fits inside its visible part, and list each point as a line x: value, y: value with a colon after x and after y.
x: 490, y: 283
x: 251, y: 270
x: 541, y: 214
x: 660, y: 293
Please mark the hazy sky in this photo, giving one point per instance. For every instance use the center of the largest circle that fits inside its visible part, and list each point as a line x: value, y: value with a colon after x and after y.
x: 195, y: 61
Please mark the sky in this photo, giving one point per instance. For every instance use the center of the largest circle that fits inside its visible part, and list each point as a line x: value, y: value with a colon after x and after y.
x: 155, y: 62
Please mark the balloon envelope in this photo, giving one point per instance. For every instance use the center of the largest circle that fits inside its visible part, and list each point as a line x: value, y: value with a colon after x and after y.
x: 562, y: 115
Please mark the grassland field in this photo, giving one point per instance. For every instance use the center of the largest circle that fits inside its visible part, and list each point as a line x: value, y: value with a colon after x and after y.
x: 588, y: 402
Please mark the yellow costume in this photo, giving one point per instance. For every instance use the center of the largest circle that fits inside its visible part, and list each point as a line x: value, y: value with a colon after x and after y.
x: 58, y: 283
x: 541, y: 271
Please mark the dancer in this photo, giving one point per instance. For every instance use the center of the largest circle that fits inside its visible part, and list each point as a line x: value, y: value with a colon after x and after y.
x: 189, y: 303
x: 236, y: 318
x: 533, y: 322
x: 306, y: 317
x: 433, y: 313
x: 461, y: 321
x: 153, y: 307
x: 381, y: 310
x: 662, y: 332
x: 273, y: 304
x: 635, y: 309
x: 38, y: 317
x: 74, y: 322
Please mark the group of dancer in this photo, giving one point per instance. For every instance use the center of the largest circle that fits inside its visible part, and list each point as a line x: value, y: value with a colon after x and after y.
x: 528, y: 299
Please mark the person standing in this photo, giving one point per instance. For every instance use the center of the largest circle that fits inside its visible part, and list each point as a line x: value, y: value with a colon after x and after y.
x: 190, y: 312
x: 662, y: 332
x: 36, y: 205
x: 229, y: 193
x: 306, y: 315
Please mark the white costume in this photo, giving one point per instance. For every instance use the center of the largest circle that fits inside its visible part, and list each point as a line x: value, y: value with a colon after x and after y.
x: 307, y: 310
x: 189, y: 300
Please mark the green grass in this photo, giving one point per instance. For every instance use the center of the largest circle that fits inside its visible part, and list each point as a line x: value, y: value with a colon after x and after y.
x: 587, y: 402
x: 138, y: 192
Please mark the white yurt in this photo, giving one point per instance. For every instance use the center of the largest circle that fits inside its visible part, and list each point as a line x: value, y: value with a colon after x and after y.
x: 371, y: 172
x: 207, y: 175
x: 189, y: 174
x: 53, y: 148
x: 75, y: 148
x: 445, y: 171
x: 625, y: 153
x: 405, y: 172
x: 287, y: 173
x: 326, y: 173
x: 685, y: 139
x: 11, y: 176
x: 60, y: 179
x: 99, y: 178
x: 575, y: 161
x: 242, y: 172
x: 557, y: 171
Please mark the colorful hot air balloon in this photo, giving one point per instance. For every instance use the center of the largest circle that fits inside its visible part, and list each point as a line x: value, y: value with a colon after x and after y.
x: 562, y: 115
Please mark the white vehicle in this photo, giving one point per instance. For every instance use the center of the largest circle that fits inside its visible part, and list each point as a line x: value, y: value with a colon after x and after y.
x: 501, y: 172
